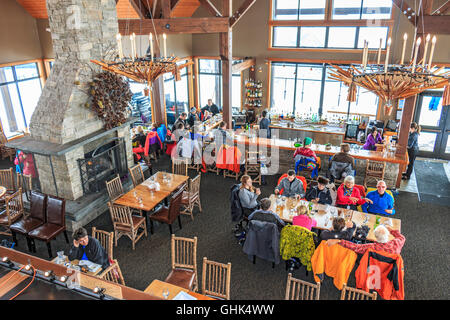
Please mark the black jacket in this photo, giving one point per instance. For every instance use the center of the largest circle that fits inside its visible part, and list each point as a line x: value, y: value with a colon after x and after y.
x: 214, y: 109
x: 264, y: 124
x: 263, y: 241
x: 344, y: 234
x: 236, y: 208
x: 140, y: 137
x: 413, y: 141
x: 94, y: 252
x: 192, y: 118
x: 323, y: 195
x: 267, y: 216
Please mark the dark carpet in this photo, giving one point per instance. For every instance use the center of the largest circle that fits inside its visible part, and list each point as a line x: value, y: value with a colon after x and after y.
x: 426, y: 252
x: 432, y: 182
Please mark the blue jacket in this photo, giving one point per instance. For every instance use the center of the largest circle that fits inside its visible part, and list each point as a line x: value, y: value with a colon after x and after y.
x: 380, y: 203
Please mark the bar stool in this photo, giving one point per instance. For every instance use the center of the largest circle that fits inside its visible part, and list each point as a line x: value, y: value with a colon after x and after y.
x: 374, y: 170
x: 253, y: 166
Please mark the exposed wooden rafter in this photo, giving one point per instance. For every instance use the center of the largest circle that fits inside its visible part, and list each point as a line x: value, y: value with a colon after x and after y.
x: 166, y: 8
x: 434, y: 24
x: 244, y: 65
x: 442, y: 9
x: 140, y: 8
x: 178, y: 25
x: 211, y: 8
x: 241, y: 11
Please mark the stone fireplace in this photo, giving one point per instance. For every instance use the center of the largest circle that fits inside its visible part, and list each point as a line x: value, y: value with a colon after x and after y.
x: 63, y: 130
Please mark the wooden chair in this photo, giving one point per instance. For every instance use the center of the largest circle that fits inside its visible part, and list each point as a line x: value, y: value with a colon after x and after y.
x: 25, y: 182
x: 301, y: 290
x: 137, y: 175
x: 191, y: 198
x: 216, y: 279
x: 374, y: 171
x: 4, y: 150
x: 13, y: 212
x: 113, y: 274
x: 184, y: 263
x: 115, y: 188
x: 180, y: 167
x: 126, y: 224
x: 253, y: 166
x: 168, y: 215
x: 106, y: 239
x: 349, y: 293
x: 194, y: 166
x: 7, y: 180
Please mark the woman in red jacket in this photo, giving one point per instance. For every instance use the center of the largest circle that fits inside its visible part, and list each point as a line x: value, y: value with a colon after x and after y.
x: 348, y: 196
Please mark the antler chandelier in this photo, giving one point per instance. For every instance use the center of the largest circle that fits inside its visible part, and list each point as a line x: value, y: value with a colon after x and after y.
x: 143, y: 69
x: 394, y: 81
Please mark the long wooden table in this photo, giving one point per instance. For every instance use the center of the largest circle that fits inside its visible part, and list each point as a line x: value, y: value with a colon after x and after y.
x: 323, y: 214
x: 157, y: 287
x: 142, y: 197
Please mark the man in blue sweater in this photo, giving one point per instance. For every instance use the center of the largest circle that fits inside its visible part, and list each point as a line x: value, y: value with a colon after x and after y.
x: 379, y: 201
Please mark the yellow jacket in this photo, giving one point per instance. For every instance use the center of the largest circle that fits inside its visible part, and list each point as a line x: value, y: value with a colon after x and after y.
x: 335, y: 261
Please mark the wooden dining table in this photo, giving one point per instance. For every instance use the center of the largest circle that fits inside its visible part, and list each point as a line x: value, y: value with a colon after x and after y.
x: 143, y: 197
x: 157, y: 287
x: 324, y: 214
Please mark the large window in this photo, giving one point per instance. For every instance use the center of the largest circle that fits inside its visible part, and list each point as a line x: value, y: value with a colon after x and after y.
x: 210, y: 81
x: 329, y: 37
x: 298, y: 9
x: 306, y: 89
x: 236, y: 91
x: 361, y: 9
x: 20, y: 89
x: 176, y: 95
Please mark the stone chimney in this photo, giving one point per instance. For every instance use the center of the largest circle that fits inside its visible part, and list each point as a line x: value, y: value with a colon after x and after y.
x: 81, y: 30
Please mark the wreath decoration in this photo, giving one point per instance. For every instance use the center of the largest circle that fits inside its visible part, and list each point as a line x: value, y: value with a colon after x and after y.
x: 110, y: 96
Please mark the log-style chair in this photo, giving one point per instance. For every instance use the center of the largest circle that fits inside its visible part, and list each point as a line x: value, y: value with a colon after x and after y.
x: 37, y: 217
x: 216, y: 279
x: 168, y: 215
x: 55, y: 224
x: 12, y: 213
x: 25, y: 182
x: 194, y: 166
x: 301, y: 290
x: 184, y: 263
x: 180, y: 167
x: 191, y: 197
x: 126, y: 224
x: 7, y: 181
x: 106, y: 239
x: 374, y: 171
x: 4, y: 150
x: 137, y: 175
x: 349, y: 293
x: 113, y: 274
x: 253, y: 166
x: 115, y: 188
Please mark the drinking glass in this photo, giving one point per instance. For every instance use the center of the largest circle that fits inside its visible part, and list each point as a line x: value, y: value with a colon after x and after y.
x: 166, y: 293
x: 60, y: 256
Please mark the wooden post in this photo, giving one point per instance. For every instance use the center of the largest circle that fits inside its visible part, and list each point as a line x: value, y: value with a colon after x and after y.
x: 225, y: 49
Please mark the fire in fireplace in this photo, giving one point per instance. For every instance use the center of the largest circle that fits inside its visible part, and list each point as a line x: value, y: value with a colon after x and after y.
x: 102, y: 164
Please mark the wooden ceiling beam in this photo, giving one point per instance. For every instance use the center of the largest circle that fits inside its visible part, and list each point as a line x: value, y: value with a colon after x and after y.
x: 435, y: 24
x: 156, y: 10
x: 166, y: 8
x: 241, y: 11
x: 140, y: 8
x: 427, y: 6
x: 174, y: 26
x: 210, y: 7
x: 442, y: 9
x: 244, y: 65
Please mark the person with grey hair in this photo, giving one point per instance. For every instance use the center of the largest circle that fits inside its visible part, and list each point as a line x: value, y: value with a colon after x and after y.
x: 265, y: 214
x: 380, y: 202
x: 348, y: 196
x: 383, y: 243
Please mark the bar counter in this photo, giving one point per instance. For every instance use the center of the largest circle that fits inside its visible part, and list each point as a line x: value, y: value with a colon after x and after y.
x: 394, y: 163
x: 321, y: 134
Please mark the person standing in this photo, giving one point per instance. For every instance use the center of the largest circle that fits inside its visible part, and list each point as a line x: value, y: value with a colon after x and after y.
x: 413, y: 148
x: 264, y: 124
x: 211, y: 107
x: 373, y: 138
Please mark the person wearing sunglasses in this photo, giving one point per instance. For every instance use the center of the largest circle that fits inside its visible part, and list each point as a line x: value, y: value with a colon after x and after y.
x: 379, y: 201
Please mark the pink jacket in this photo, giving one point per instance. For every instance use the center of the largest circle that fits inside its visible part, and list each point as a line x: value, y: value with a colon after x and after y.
x: 28, y: 164
x: 304, y: 221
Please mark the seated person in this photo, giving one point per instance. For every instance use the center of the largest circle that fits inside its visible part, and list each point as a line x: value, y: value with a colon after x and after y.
x: 306, y: 149
x: 264, y: 214
x: 348, y: 196
x: 181, y: 119
x: 320, y: 193
x: 87, y: 248
x: 292, y: 187
x: 382, y: 244
x: 193, y: 117
x: 303, y: 219
x: 248, y: 195
x: 206, y: 115
x: 379, y: 201
x: 139, y: 139
x: 343, y: 156
x: 372, y: 139
x: 337, y: 230
x: 222, y: 136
